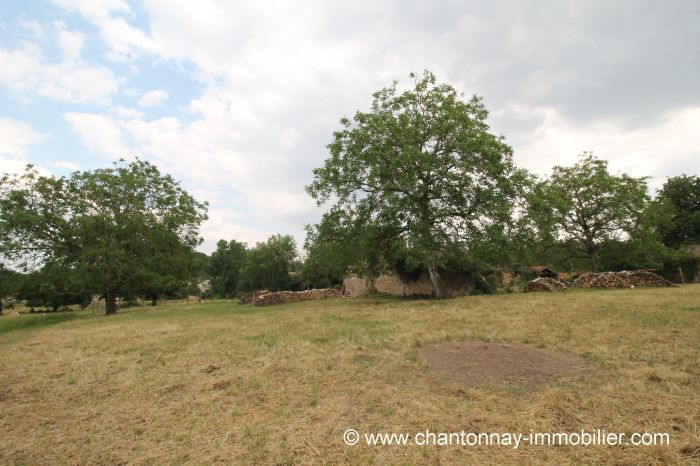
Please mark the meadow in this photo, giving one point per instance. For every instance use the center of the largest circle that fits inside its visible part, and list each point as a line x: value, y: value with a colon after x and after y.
x: 219, y: 383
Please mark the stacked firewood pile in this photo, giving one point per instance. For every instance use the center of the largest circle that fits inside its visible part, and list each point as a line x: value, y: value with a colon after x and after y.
x: 266, y: 298
x: 248, y: 297
x: 543, y: 284
x: 620, y: 280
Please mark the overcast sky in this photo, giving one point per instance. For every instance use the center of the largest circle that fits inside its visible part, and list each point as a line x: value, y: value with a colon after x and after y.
x: 238, y: 99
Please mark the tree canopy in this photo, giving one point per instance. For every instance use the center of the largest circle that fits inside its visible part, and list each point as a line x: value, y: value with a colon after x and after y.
x: 268, y: 264
x: 590, y: 206
x: 224, y: 266
x: 420, y: 174
x: 681, y: 194
x: 118, y: 231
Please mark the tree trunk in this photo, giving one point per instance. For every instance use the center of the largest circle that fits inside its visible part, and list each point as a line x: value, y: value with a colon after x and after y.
x: 154, y: 300
x: 437, y: 282
x: 2, y: 305
x: 594, y: 260
x: 110, y: 303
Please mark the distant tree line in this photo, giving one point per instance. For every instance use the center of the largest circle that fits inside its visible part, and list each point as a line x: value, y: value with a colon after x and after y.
x: 417, y: 184
x: 234, y: 269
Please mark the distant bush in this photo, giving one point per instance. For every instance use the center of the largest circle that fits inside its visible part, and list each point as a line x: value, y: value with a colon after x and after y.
x: 688, y: 264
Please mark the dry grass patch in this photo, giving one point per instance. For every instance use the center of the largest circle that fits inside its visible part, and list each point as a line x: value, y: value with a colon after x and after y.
x: 222, y: 383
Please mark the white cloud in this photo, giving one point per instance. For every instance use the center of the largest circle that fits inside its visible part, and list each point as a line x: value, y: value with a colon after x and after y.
x: 78, y: 83
x: 66, y: 165
x: 153, y: 98
x: 33, y: 26
x: 20, y: 68
x: 70, y: 42
x: 224, y: 224
x: 92, y: 9
x: 99, y: 133
x: 124, y: 40
x: 16, y: 137
x: 25, y: 69
x: 127, y: 113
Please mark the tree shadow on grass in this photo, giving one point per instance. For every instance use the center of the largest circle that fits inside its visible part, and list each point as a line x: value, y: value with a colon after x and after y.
x: 27, y: 321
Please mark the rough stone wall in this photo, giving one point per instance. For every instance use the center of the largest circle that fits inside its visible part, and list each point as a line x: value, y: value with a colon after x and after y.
x: 389, y: 284
x: 354, y: 286
x: 456, y: 284
x: 422, y: 286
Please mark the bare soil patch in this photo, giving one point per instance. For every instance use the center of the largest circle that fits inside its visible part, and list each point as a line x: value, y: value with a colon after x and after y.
x: 473, y: 363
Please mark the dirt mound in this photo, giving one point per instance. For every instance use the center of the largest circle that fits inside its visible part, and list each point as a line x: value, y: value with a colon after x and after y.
x: 474, y: 363
x: 620, y: 280
x: 544, y: 284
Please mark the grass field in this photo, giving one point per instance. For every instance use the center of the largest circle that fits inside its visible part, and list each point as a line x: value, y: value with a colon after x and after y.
x: 77, y: 388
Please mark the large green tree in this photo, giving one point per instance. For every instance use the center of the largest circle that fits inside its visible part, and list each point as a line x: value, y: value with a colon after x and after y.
x: 590, y: 206
x: 268, y: 264
x: 682, y: 195
x: 224, y: 266
x: 420, y: 173
x: 123, y: 230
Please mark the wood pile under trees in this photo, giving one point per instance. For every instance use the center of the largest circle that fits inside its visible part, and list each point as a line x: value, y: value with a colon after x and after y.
x: 544, y: 284
x: 620, y: 280
x: 248, y: 297
x: 266, y: 298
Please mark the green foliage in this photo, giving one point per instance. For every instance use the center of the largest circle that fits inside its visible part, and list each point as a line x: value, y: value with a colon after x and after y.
x: 330, y: 253
x: 268, y: 264
x: 687, y: 264
x: 10, y: 282
x: 681, y: 196
x: 420, y: 173
x: 224, y: 266
x: 53, y: 287
x: 589, y: 206
x: 120, y: 231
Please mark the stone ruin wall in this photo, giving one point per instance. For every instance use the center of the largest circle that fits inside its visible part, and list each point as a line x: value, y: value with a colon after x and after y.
x: 455, y: 284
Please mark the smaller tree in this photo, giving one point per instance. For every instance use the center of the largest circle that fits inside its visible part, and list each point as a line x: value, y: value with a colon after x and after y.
x: 591, y: 206
x: 328, y: 257
x: 224, y: 267
x: 267, y: 265
x: 681, y: 195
